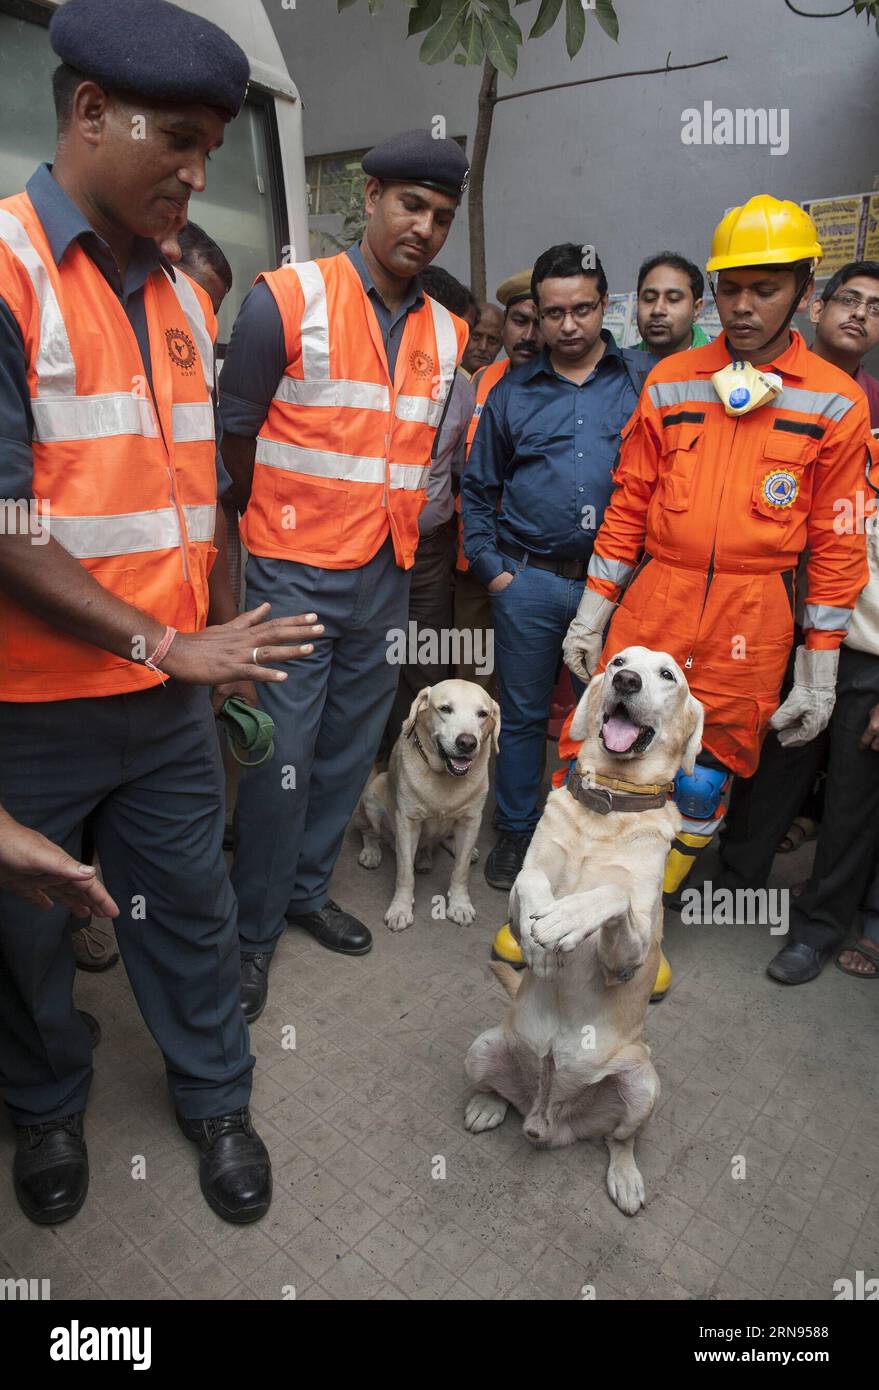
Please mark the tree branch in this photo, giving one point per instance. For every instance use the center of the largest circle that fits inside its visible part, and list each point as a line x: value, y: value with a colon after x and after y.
x: 611, y: 76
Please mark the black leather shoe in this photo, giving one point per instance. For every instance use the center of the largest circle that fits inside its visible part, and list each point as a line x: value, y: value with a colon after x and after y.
x: 797, y: 964
x: 51, y: 1169
x: 235, y: 1171
x: 335, y: 929
x: 254, y: 984
x: 503, y: 864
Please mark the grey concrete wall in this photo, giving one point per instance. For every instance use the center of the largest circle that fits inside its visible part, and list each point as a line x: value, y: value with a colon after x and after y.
x: 605, y: 164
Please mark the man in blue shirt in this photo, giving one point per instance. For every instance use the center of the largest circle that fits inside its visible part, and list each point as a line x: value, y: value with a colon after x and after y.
x: 534, y: 493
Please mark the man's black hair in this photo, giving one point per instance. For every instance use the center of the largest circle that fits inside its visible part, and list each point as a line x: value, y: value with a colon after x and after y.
x: 196, y: 245
x: 565, y: 260
x: 849, y: 272
x: 65, y: 81
x: 677, y: 262
x: 448, y: 291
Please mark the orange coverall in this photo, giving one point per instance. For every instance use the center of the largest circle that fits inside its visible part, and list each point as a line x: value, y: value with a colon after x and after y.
x: 707, y: 524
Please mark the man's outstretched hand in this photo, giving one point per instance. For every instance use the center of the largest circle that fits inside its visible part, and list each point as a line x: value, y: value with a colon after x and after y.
x: 43, y: 873
x: 223, y: 654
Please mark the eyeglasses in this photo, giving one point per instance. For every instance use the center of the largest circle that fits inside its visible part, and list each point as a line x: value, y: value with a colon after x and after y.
x: 580, y: 312
x: 849, y: 300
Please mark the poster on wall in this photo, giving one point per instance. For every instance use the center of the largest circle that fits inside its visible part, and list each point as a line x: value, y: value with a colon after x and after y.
x: 619, y: 318
x: 846, y: 227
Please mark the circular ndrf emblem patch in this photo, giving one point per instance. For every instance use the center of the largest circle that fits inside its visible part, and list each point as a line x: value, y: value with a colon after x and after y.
x: 421, y: 363
x: 181, y: 350
x: 780, y: 488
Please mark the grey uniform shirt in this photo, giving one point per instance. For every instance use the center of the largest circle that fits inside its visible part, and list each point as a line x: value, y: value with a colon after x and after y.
x: 63, y: 224
x: 449, y: 452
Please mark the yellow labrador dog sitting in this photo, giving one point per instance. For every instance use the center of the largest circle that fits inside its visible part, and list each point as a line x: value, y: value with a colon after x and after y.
x: 435, y: 785
x: 587, y: 909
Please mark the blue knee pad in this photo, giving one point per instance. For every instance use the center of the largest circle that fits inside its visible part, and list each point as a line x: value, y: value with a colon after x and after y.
x: 698, y: 796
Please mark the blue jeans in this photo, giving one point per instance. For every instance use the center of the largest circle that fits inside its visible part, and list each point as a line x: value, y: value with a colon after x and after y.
x: 531, y: 617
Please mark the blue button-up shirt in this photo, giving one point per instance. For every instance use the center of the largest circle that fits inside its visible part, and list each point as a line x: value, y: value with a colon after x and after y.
x: 256, y: 358
x: 544, y: 450
x: 63, y: 224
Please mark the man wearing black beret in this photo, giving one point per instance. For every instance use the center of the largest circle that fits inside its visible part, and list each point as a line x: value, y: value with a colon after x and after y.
x: 334, y: 385
x: 106, y: 585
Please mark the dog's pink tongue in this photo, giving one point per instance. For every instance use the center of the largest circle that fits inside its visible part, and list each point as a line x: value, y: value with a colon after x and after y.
x: 619, y: 733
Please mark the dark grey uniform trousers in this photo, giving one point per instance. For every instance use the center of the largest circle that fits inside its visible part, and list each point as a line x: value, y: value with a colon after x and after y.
x: 149, y: 764
x: 292, y: 812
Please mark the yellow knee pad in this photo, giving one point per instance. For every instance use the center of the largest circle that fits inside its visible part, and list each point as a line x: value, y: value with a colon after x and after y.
x: 681, y: 858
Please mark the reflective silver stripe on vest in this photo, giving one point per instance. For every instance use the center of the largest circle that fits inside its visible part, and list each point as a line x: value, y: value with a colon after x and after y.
x: 347, y: 468
x: 192, y: 421
x: 315, y: 326
x: 614, y: 571
x: 826, y: 403
x: 59, y: 418
x: 100, y: 537
x: 446, y: 346
x: 56, y: 372
x: 355, y: 395
x: 189, y: 303
x: 825, y: 618
x: 419, y: 408
x: 664, y: 393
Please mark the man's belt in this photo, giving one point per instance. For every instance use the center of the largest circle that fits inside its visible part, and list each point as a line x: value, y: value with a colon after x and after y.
x: 604, y: 800
x: 565, y: 569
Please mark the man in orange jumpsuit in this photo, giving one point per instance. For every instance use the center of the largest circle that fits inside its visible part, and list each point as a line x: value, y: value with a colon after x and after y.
x: 736, y: 459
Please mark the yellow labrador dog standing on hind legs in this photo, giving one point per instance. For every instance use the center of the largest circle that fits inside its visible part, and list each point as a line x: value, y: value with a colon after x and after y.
x: 587, y: 910
x: 435, y: 786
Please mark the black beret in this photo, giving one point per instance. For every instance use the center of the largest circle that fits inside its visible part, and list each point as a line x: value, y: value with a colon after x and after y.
x: 153, y: 49
x: 417, y: 157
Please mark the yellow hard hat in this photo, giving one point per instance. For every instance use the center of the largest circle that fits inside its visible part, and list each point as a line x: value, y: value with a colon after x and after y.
x: 764, y: 232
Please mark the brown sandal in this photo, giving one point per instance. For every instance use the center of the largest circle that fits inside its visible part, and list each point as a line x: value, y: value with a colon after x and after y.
x: 801, y: 831
x: 869, y: 953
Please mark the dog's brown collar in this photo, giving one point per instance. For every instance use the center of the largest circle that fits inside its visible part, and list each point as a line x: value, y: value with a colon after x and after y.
x: 418, y: 744
x: 605, y: 799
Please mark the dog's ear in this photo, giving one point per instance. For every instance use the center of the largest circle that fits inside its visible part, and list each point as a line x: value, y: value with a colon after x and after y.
x: 695, y: 715
x: 420, y: 703
x: 586, y: 712
x: 496, y: 725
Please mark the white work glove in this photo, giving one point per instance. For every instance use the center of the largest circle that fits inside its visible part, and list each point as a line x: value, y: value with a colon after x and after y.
x: 808, y: 707
x: 585, y: 637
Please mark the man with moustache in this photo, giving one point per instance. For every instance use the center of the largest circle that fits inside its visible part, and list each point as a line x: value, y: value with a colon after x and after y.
x: 535, y: 488
x: 670, y: 290
x: 333, y: 388
x: 486, y: 338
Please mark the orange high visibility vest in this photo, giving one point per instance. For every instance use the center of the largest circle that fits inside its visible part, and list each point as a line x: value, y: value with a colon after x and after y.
x: 127, y: 487
x: 483, y: 382
x: 344, y: 452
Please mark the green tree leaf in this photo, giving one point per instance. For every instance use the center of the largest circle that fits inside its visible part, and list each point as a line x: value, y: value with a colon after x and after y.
x: 474, y: 40
x: 575, y: 26
x: 345, y: 5
x: 446, y: 34
x: 607, y: 18
x: 546, y: 17
x: 500, y: 45
x: 424, y: 16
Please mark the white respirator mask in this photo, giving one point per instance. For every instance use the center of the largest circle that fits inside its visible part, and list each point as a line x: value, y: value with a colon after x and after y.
x: 743, y: 387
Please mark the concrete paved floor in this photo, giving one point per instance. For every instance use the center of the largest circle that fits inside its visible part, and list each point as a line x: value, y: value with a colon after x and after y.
x: 380, y: 1193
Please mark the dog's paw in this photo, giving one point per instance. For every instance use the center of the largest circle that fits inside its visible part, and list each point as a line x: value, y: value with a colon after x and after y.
x: 461, y: 909
x: 370, y: 857
x: 563, y: 926
x: 544, y: 964
x: 483, y: 1111
x: 625, y: 1184
x: 424, y: 860
x: 399, y: 916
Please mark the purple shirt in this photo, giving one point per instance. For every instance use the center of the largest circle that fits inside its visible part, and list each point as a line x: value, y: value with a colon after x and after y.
x: 870, y: 387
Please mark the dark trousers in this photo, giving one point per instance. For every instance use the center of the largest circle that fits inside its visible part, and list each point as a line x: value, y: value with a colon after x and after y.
x: 148, y: 765
x: 430, y: 608
x: 848, y: 841
x: 292, y: 812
